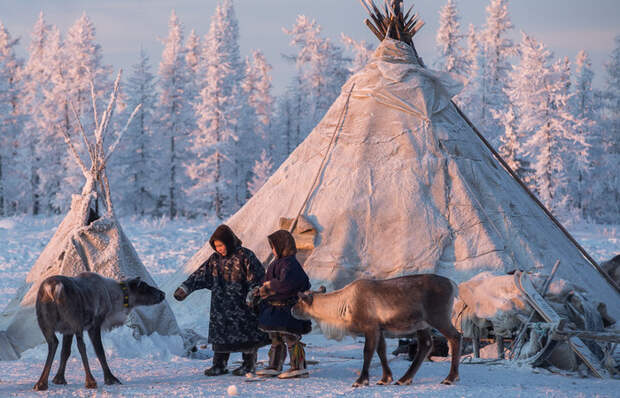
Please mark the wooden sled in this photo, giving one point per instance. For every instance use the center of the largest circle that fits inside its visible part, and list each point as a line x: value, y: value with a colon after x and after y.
x: 525, y: 285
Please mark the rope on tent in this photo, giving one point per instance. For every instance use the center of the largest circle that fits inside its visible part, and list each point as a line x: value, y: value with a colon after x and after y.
x: 321, y: 167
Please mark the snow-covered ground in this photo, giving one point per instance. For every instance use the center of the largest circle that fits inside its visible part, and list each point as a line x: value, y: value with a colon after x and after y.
x: 150, y: 367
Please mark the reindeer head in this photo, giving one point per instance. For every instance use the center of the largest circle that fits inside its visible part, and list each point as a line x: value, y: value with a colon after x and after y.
x: 141, y: 293
x: 302, y: 309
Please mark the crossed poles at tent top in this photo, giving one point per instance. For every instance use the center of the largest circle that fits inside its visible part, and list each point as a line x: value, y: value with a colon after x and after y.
x: 391, y: 22
x: 98, y: 156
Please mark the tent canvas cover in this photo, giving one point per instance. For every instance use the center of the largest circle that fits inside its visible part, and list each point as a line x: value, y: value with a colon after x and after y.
x: 87, y: 240
x: 407, y: 187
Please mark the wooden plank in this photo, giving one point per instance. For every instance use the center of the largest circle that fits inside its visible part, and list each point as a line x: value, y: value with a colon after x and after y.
x: 591, y: 360
x: 547, y: 312
x: 537, y: 301
x: 612, y: 337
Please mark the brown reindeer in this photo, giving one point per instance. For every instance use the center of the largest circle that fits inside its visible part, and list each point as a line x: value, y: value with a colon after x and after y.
x: 376, y: 309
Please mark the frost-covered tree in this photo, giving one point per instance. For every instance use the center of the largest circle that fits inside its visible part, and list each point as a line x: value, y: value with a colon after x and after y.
x: 496, y: 49
x: 451, y: 55
x: 83, y: 65
x: 539, y: 92
x: 136, y: 162
x: 583, y: 100
x: 45, y: 101
x: 257, y: 87
x: 605, y: 206
x: 42, y: 101
x: 582, y: 104
x: 362, y: 52
x: 193, y: 60
x: 322, y: 69
x: 574, y: 133
x: 34, y: 76
x: 174, y: 119
x: 528, y: 96
x: 193, y: 55
x: 13, y: 178
x: 510, y: 146
x: 216, y: 176
x: 260, y: 173
x: 288, y: 128
x: 260, y: 108
x: 470, y: 97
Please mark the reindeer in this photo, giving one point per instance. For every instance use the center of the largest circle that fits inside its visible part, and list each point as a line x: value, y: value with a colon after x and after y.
x: 88, y: 302
x: 377, y: 309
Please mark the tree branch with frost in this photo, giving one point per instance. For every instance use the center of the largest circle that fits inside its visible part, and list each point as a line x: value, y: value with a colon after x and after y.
x: 108, y: 196
x: 79, y: 122
x: 122, y: 132
x: 73, y: 151
x: 107, y: 115
x: 89, y: 147
x: 94, y: 99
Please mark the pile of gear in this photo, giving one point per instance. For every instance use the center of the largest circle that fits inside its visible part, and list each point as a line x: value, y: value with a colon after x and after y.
x: 549, y: 322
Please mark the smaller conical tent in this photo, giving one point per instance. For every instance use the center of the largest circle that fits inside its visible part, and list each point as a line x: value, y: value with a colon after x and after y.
x: 88, y: 239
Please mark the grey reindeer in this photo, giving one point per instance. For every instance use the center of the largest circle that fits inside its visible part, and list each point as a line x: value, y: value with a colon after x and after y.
x: 91, y: 303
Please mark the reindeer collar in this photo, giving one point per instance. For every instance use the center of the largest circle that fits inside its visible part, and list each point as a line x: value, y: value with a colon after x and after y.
x: 125, y: 290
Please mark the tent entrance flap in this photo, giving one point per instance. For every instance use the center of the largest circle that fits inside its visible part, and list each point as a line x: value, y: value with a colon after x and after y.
x: 304, y: 234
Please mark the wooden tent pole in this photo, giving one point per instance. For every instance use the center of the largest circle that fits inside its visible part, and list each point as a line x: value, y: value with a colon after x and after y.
x: 318, y: 173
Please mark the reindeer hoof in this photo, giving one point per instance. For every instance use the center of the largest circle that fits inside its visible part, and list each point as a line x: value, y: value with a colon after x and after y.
x: 90, y: 384
x: 384, y: 381
x: 402, y: 382
x: 449, y: 381
x: 59, y: 380
x: 360, y: 382
x: 40, y: 386
x: 112, y: 380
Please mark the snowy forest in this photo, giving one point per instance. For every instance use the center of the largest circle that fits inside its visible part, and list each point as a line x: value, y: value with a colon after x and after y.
x: 211, y: 131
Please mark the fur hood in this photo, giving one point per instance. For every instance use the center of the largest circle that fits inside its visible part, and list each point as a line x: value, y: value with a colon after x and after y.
x: 224, y: 234
x: 283, y: 243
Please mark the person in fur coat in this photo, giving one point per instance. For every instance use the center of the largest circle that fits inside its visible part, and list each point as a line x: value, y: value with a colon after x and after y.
x: 284, y: 279
x: 230, y: 273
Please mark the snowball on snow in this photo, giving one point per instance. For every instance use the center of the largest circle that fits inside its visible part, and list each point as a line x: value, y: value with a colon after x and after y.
x: 232, y: 390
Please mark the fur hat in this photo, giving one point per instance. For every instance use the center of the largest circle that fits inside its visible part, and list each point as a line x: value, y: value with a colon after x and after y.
x: 283, y: 243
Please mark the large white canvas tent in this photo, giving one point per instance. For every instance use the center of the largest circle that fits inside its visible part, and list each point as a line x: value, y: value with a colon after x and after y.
x: 395, y: 180
x: 90, y: 238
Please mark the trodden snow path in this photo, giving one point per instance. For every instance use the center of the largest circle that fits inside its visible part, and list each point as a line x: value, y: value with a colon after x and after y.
x: 150, y: 367
x: 331, y: 377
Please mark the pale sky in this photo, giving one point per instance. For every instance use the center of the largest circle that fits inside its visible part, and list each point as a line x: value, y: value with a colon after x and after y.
x: 564, y: 26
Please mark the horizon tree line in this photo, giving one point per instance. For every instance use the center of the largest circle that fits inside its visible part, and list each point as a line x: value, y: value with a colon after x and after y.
x: 210, y: 131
